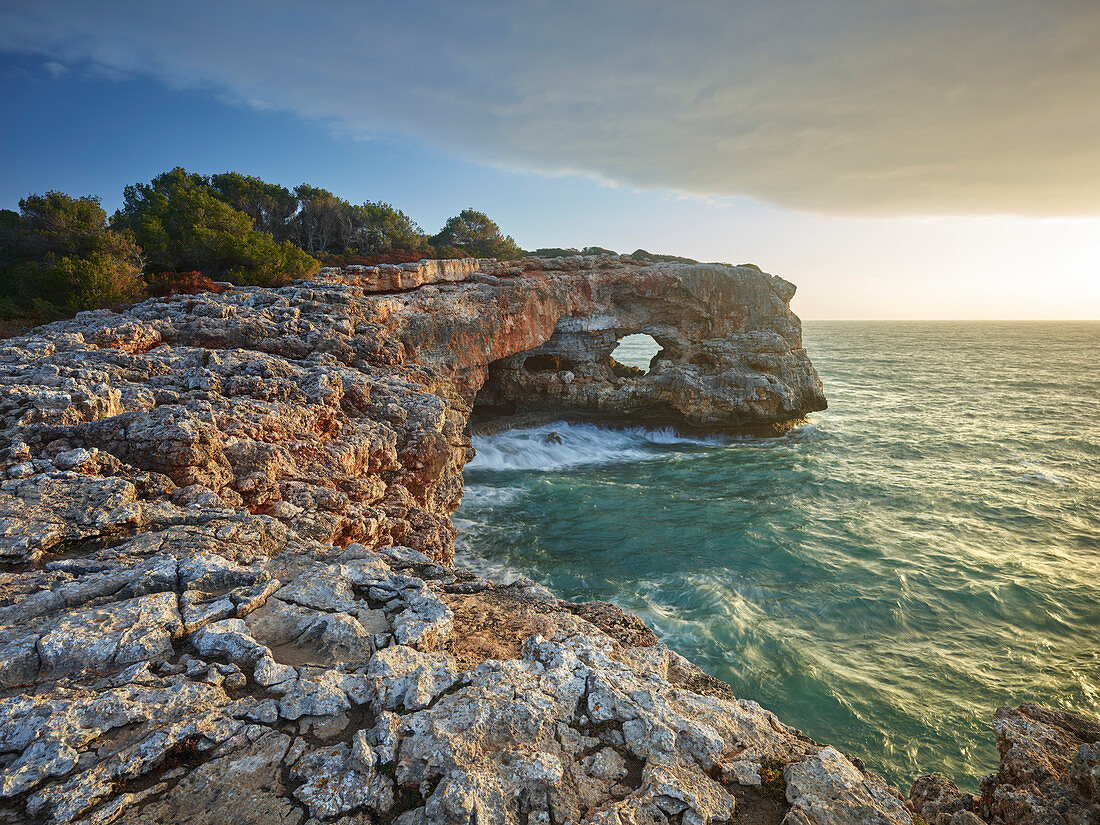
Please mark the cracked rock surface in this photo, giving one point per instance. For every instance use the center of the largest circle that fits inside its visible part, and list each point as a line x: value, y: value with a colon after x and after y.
x: 226, y: 579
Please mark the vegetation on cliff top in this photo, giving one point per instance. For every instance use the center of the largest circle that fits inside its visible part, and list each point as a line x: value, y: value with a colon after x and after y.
x: 183, y: 232
x: 58, y: 255
x: 181, y: 224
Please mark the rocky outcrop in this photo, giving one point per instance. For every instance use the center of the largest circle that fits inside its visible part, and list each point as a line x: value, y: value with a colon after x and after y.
x: 340, y: 408
x: 1049, y: 775
x: 536, y: 336
x: 227, y: 591
x: 731, y: 353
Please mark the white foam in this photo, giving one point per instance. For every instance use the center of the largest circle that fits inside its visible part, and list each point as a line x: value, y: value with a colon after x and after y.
x: 477, y: 496
x: 497, y: 571
x: 561, y: 445
x: 1039, y: 475
x: 667, y: 435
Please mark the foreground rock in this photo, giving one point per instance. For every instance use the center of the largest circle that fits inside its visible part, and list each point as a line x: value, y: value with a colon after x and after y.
x: 1049, y: 775
x: 227, y: 592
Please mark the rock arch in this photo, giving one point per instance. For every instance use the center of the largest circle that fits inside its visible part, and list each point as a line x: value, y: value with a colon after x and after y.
x: 533, y: 338
x: 730, y: 355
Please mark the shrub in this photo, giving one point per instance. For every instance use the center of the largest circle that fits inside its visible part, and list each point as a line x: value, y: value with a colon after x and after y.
x: 59, y: 256
x: 476, y: 233
x: 652, y: 258
x: 182, y: 226
x: 396, y: 256
x: 380, y: 228
x: 183, y: 283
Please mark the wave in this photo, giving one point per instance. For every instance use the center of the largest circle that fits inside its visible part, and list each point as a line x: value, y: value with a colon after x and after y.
x: 561, y: 445
x: 1038, y: 474
x: 479, y: 496
x: 809, y: 571
x: 498, y: 571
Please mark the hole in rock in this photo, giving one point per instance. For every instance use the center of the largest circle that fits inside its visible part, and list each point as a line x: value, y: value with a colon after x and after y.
x: 634, y: 355
x: 547, y: 362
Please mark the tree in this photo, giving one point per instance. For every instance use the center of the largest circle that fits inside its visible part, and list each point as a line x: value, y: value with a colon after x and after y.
x: 324, y: 223
x: 476, y: 233
x: 269, y: 205
x: 380, y: 227
x: 182, y: 226
x: 57, y: 254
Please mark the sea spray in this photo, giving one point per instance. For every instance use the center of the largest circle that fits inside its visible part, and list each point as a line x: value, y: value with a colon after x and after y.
x: 561, y: 445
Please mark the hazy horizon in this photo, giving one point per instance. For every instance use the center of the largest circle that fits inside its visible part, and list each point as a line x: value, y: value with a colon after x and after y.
x: 896, y: 161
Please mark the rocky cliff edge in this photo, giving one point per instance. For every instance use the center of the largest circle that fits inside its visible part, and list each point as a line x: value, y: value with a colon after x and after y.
x: 227, y: 590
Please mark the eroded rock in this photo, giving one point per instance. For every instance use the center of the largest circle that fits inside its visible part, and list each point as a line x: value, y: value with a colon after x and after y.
x: 1049, y: 773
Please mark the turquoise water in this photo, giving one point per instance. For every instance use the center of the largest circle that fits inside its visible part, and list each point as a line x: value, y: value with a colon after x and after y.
x: 882, y: 578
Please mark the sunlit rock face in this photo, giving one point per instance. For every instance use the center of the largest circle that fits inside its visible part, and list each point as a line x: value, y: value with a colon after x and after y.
x: 340, y: 406
x: 535, y: 336
x: 731, y: 350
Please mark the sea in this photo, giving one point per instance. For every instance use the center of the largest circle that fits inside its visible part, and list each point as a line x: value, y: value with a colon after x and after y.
x: 882, y: 577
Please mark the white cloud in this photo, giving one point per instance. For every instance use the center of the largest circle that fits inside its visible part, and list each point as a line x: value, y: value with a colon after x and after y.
x: 55, y: 70
x: 843, y: 106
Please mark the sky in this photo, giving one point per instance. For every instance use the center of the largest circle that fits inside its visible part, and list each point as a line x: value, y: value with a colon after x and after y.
x: 895, y: 159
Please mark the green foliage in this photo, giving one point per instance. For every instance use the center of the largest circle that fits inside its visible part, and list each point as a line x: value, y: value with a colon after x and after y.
x: 57, y: 255
x: 182, y: 225
x: 324, y: 222
x: 772, y: 782
x: 476, y: 233
x: 181, y: 231
x: 380, y: 227
x: 444, y: 251
x: 78, y: 283
x: 269, y: 205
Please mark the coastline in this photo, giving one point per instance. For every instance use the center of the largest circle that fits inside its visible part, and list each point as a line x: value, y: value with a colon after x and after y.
x: 227, y: 544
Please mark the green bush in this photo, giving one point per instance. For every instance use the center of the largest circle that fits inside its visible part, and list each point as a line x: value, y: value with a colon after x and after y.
x: 381, y: 228
x: 652, y: 258
x: 182, y: 226
x: 476, y: 233
x: 269, y: 205
x: 57, y: 255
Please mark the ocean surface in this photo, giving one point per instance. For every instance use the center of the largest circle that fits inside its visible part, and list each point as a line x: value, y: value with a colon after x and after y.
x: 882, y: 578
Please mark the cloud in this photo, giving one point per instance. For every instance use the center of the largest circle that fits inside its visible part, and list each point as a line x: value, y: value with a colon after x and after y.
x: 874, y: 107
x: 55, y: 70
x: 98, y: 71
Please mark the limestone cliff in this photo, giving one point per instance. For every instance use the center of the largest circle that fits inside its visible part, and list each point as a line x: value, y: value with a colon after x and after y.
x: 225, y: 541
x: 537, y: 336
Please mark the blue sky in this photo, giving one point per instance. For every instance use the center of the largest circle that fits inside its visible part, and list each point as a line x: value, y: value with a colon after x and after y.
x: 564, y: 141
x: 131, y: 128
